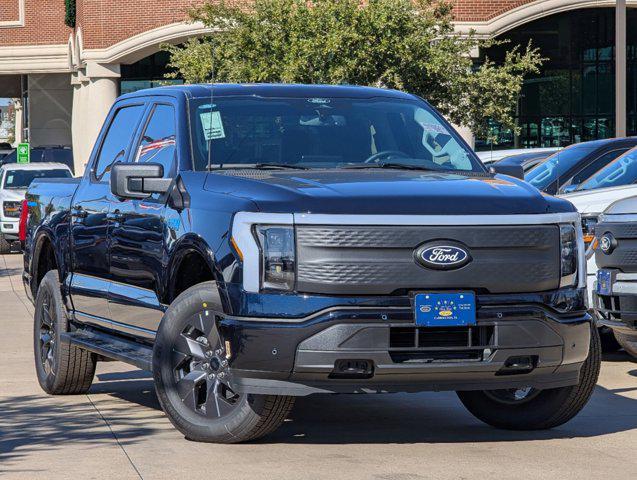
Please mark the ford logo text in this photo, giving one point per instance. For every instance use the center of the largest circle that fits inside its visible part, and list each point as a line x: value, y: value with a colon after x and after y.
x: 442, y: 257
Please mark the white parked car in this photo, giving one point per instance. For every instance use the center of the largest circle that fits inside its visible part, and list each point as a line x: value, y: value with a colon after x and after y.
x: 14, y: 180
x: 491, y: 156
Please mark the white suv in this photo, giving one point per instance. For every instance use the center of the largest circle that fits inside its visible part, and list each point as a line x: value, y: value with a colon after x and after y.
x: 14, y: 181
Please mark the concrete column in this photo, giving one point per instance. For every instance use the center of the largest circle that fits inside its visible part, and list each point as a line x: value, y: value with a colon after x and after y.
x: 95, y: 91
x: 466, y: 134
x: 18, y: 120
x: 620, y: 69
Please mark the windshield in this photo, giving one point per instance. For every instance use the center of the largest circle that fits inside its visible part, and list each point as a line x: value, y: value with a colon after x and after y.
x: 245, y: 132
x: 557, y: 165
x: 622, y: 171
x: 21, y: 179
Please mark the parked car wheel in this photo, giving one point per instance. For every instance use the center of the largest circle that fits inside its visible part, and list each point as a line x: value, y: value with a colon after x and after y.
x: 533, y: 409
x: 5, y: 246
x: 628, y: 343
x: 193, y: 380
x: 62, y: 369
x: 608, y: 339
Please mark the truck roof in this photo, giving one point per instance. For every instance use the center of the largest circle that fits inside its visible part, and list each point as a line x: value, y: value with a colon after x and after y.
x: 270, y: 90
x: 34, y: 166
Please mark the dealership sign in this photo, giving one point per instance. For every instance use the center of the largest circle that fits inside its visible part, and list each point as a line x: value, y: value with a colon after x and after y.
x: 24, y: 153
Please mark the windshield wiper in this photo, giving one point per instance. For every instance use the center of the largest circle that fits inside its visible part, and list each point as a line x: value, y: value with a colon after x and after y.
x: 398, y: 166
x: 278, y: 166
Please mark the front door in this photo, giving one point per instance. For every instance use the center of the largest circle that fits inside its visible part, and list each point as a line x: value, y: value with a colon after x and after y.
x: 90, y: 211
x: 137, y: 254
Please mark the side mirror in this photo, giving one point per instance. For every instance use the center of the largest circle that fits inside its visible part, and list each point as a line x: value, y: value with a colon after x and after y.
x: 512, y: 170
x: 138, y: 180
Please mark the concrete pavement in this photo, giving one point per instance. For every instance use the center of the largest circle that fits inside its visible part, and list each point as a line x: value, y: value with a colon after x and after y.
x: 117, y: 431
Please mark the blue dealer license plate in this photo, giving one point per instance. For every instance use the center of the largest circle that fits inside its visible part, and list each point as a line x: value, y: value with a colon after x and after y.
x: 604, y: 282
x: 445, y: 309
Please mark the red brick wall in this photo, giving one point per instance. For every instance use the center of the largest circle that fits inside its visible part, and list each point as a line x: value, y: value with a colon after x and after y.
x: 481, y: 10
x: 107, y: 22
x: 44, y: 23
x: 9, y: 10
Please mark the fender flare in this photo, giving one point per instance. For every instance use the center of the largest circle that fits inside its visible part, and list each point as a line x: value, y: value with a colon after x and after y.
x: 188, y: 244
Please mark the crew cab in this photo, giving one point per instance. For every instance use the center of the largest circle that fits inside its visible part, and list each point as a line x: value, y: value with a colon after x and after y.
x: 253, y: 243
x: 14, y: 180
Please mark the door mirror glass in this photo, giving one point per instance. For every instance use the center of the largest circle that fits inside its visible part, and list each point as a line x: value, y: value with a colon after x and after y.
x: 138, y: 180
x: 569, y: 188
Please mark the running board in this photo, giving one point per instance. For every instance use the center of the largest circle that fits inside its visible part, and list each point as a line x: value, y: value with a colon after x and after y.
x: 109, y: 346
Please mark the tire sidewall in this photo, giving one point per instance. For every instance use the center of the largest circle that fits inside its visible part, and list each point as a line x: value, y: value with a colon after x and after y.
x: 197, y: 299
x: 50, y: 285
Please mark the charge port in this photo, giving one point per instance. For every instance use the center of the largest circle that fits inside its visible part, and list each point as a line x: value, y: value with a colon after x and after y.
x: 352, y: 369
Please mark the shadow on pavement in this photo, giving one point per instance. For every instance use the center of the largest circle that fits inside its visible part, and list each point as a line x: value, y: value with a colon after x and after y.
x: 399, y: 418
x: 47, y: 423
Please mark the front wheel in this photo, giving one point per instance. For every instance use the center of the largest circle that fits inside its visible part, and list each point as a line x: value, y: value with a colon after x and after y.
x: 193, y: 379
x: 533, y: 409
x: 628, y: 343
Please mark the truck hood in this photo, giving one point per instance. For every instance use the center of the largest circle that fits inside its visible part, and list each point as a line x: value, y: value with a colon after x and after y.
x: 384, y: 192
x: 596, y: 201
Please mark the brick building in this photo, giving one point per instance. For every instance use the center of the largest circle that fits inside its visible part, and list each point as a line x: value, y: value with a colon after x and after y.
x: 67, y: 77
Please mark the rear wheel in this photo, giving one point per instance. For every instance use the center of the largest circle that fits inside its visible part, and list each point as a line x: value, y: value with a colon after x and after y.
x: 62, y: 369
x: 193, y: 379
x: 628, y: 343
x: 533, y: 409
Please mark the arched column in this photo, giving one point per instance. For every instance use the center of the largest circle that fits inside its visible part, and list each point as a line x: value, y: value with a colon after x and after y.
x: 95, y: 89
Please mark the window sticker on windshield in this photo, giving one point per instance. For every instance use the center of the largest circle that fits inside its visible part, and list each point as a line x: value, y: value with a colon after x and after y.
x: 212, y: 125
x: 433, y: 128
x: 9, y: 179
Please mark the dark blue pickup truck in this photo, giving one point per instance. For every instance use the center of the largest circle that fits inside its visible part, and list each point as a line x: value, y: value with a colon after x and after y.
x: 253, y: 243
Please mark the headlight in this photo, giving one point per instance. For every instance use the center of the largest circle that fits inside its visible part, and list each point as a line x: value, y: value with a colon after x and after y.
x: 11, y: 209
x: 568, y: 254
x: 278, y: 256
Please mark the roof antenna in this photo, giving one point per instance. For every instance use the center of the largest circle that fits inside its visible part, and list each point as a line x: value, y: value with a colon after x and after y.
x: 212, y: 84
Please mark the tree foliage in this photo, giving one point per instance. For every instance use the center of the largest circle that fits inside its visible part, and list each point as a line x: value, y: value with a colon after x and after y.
x: 408, y: 45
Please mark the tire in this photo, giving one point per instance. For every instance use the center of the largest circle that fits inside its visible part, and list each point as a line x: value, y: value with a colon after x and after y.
x: 538, y: 409
x: 628, y: 343
x: 608, y: 339
x: 193, y: 379
x: 5, y: 246
x: 62, y: 369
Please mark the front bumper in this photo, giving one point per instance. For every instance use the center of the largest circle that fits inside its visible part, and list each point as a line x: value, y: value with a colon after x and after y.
x: 270, y: 356
x: 10, y: 228
x: 618, y: 310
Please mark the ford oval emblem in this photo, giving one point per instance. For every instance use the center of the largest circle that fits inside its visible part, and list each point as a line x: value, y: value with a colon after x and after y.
x: 442, y: 257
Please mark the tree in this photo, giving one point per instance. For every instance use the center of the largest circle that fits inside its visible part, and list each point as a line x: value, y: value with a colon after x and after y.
x: 408, y: 45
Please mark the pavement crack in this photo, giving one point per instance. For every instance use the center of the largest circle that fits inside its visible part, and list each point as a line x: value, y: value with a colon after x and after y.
x: 108, y: 425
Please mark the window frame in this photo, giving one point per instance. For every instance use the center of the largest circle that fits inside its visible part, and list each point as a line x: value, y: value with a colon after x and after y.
x: 148, y: 116
x: 136, y: 102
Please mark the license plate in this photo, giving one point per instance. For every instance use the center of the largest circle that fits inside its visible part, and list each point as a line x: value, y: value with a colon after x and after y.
x: 445, y: 309
x: 604, y: 282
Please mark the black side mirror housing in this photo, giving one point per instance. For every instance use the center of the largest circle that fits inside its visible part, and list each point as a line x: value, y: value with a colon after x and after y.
x: 138, y: 180
x: 512, y: 170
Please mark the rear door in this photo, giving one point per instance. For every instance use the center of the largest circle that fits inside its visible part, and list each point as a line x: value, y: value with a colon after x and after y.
x: 90, y: 210
x: 137, y: 254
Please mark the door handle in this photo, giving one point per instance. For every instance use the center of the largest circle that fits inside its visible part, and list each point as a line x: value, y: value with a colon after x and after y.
x: 79, y: 212
x: 115, y: 216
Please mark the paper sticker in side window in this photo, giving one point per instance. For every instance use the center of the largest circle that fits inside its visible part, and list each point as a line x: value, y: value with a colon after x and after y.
x: 212, y: 125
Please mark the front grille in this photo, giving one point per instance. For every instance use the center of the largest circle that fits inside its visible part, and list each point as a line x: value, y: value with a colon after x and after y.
x: 624, y: 256
x: 440, y: 337
x: 380, y: 260
x: 11, y: 209
x: 439, y: 344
